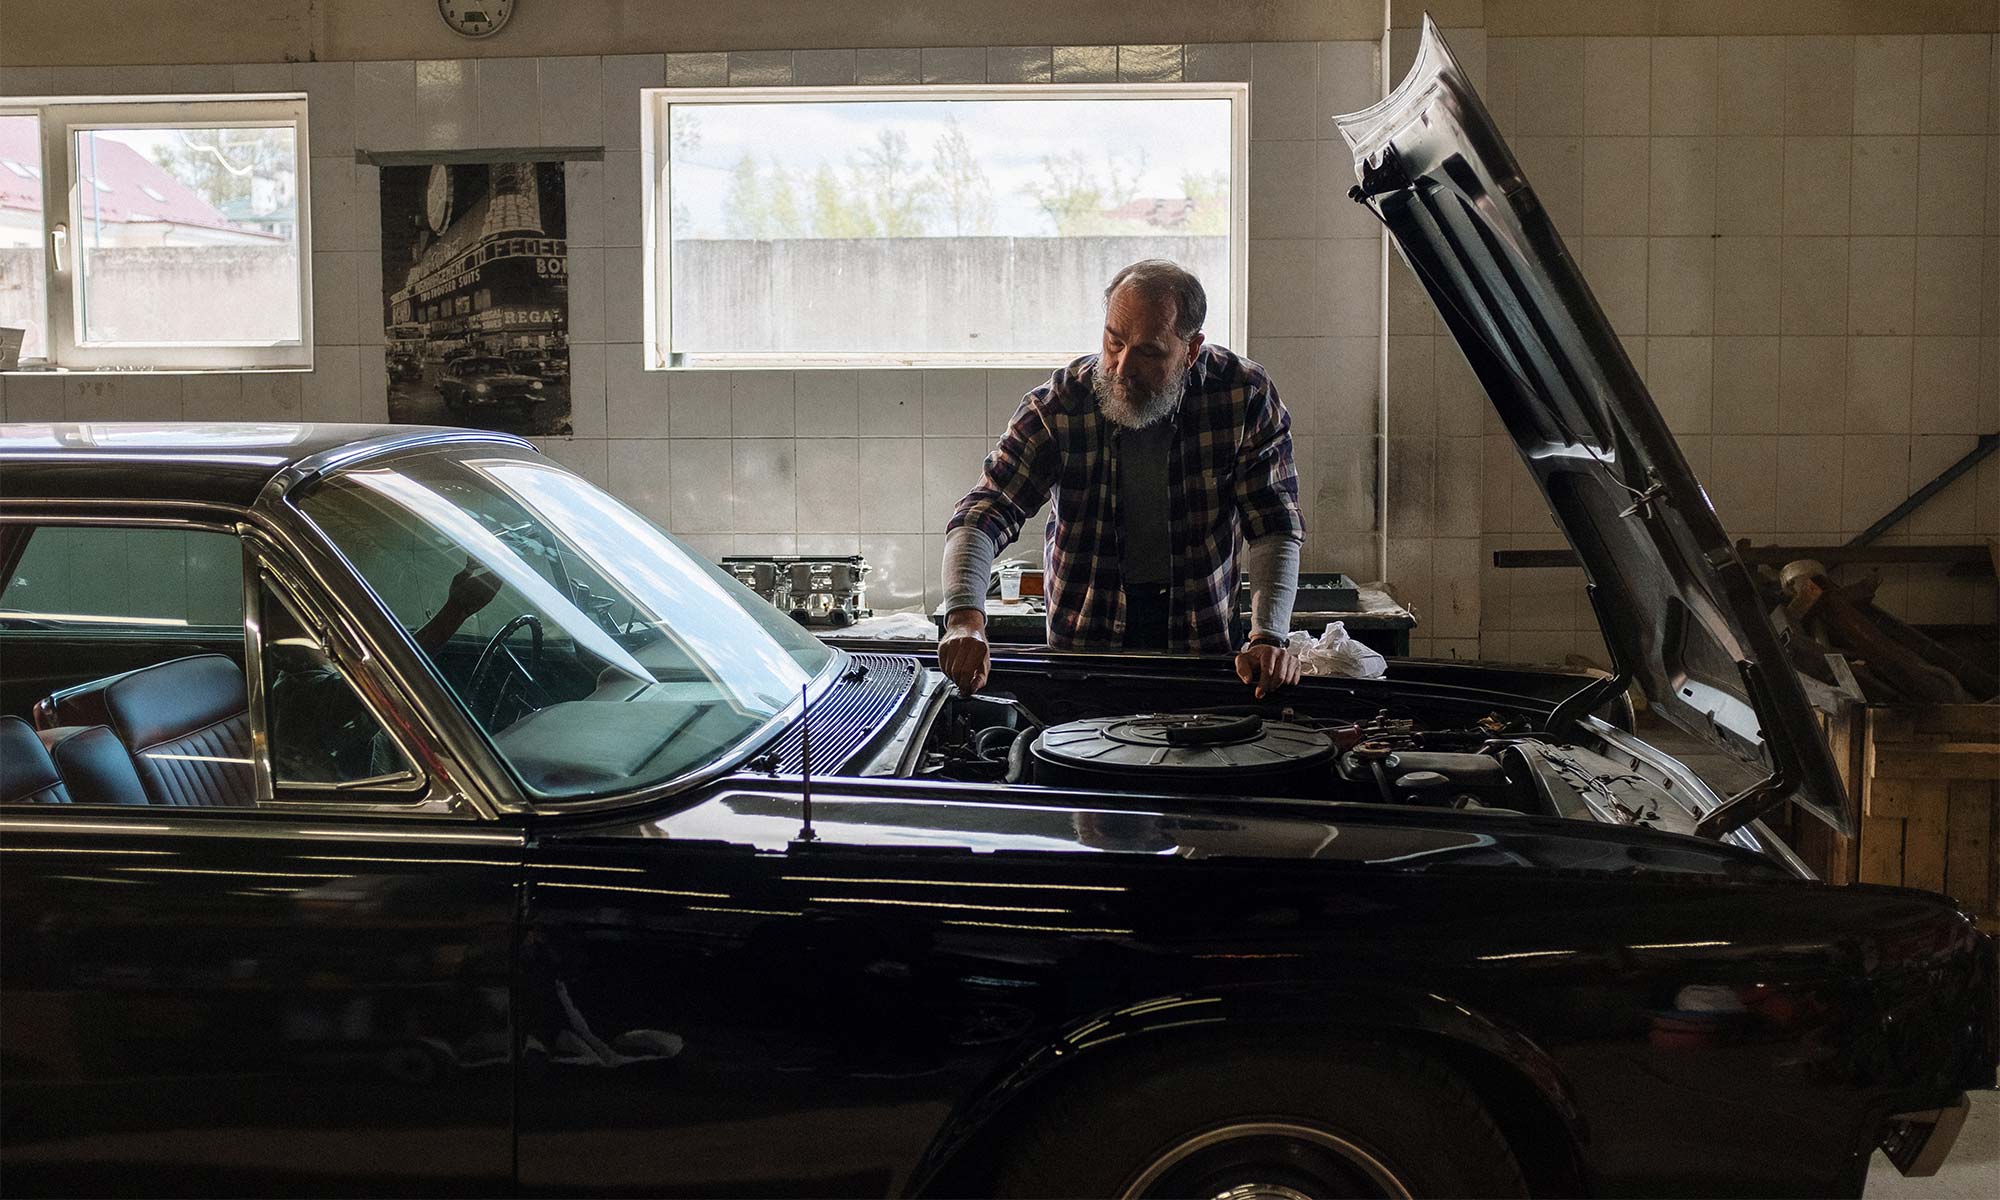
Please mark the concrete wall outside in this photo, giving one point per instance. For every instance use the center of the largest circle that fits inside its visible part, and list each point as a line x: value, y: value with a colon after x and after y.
x: 799, y: 294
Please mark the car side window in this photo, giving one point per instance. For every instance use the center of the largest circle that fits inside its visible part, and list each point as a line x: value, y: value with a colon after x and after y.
x: 75, y: 576
x: 121, y: 656
x: 322, y: 733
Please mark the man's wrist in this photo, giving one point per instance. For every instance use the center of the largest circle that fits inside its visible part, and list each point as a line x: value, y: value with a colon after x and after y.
x: 1265, y: 638
x: 966, y: 619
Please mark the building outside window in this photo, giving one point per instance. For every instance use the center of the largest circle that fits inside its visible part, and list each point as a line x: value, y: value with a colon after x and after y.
x: 156, y: 232
x: 942, y: 226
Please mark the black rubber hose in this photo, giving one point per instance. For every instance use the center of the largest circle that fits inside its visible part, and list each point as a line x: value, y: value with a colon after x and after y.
x: 984, y: 743
x: 1017, y: 755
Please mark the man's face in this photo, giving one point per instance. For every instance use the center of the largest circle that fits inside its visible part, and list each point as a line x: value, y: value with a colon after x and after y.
x: 1143, y: 369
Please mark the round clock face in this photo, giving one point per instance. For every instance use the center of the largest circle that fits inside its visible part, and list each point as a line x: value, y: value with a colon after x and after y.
x: 476, y: 18
x: 437, y: 198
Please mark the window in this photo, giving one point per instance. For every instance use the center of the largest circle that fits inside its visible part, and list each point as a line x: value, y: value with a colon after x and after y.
x: 132, y: 637
x: 598, y: 654
x: 323, y: 735
x: 174, y: 584
x: 951, y: 226
x: 157, y: 233
x: 127, y: 647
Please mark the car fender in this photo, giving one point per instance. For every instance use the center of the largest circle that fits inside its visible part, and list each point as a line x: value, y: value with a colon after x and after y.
x: 1274, y: 1014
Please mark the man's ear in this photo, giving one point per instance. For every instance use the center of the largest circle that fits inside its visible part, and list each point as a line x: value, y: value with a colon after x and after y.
x: 1194, y: 348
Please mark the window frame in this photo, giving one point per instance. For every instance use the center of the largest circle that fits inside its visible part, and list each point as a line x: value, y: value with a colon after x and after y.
x: 656, y: 217
x: 423, y: 794
x: 407, y: 791
x: 60, y: 118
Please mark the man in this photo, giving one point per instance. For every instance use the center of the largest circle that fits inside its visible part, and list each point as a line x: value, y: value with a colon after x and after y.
x: 1163, y: 453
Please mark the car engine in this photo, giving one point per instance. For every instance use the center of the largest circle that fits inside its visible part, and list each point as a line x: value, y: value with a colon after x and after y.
x: 1245, y: 751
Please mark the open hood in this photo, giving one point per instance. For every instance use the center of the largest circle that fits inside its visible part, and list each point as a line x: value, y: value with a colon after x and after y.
x: 1679, y: 611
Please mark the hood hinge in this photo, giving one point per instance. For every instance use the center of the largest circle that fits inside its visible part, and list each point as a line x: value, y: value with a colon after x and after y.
x: 1383, y: 173
x: 1772, y: 790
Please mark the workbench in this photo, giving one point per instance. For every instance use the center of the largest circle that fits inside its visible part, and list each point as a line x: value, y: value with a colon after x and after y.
x: 1379, y: 622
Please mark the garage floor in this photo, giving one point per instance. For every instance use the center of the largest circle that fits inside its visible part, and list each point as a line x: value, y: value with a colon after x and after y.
x: 1973, y: 1170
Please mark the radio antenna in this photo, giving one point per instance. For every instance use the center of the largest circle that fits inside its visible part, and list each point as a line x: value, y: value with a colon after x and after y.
x: 806, y: 833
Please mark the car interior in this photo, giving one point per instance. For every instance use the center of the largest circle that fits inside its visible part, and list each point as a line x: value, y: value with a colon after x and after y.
x: 174, y: 734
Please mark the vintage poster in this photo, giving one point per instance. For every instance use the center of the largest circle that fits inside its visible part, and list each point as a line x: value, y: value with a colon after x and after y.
x: 475, y: 281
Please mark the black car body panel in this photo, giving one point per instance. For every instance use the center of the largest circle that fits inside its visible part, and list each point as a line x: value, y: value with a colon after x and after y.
x: 910, y: 992
x: 1678, y: 608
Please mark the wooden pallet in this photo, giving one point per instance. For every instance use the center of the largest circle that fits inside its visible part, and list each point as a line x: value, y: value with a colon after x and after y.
x: 1926, y: 779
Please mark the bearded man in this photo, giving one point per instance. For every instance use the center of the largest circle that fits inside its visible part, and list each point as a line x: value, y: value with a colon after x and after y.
x: 1170, y: 461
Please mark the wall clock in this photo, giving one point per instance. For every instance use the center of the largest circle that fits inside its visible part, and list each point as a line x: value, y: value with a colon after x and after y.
x: 476, y: 18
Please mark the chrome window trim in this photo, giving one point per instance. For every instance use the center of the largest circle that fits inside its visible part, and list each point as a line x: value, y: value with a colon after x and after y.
x: 200, y: 823
x: 17, y: 512
x: 390, y: 445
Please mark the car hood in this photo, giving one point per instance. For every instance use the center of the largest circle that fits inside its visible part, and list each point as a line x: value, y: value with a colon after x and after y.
x: 954, y: 819
x: 508, y: 379
x: 1679, y: 611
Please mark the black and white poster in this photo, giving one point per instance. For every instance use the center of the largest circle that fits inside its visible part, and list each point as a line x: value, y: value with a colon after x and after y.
x: 475, y: 282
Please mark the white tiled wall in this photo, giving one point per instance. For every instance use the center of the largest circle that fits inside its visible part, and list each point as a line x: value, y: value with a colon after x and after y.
x: 780, y: 461
x: 1796, y: 237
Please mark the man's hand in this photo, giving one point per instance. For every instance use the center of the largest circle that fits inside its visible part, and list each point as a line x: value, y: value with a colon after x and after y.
x: 472, y: 588
x: 1266, y: 668
x: 962, y: 652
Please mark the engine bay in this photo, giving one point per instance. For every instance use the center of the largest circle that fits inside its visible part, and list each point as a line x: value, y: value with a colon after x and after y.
x: 1492, y: 764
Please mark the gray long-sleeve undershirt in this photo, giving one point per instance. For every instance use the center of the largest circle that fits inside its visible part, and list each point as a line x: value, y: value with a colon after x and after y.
x: 1270, y: 562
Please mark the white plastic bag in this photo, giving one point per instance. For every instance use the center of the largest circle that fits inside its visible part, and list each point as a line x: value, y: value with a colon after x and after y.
x: 1334, y: 653
x: 906, y: 626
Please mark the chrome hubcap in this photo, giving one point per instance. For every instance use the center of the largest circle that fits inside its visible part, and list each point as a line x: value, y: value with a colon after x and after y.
x: 1266, y: 1160
x: 1262, y: 1191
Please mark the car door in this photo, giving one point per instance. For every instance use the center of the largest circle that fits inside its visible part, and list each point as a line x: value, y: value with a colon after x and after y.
x: 308, y: 992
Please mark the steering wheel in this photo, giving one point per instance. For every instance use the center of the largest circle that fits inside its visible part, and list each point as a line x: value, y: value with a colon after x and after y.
x: 497, y: 651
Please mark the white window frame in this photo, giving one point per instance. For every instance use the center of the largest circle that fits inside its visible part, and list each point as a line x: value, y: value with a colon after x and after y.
x: 655, y: 126
x: 61, y: 117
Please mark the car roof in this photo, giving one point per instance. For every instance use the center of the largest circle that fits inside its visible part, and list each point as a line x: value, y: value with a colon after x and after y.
x: 217, y: 462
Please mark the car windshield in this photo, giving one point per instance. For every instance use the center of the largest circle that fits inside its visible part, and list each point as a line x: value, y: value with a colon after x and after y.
x: 481, y: 366
x: 598, y: 653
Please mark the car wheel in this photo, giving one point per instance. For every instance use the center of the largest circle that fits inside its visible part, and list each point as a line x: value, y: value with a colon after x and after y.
x: 1263, y: 1124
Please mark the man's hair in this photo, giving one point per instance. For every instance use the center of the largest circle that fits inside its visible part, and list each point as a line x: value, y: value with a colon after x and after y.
x: 1163, y: 282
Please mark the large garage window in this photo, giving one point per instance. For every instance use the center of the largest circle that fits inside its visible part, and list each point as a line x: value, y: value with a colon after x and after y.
x: 156, y: 232
x: 952, y: 226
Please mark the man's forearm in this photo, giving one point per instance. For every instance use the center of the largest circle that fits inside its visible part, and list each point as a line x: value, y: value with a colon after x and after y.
x: 968, y: 567
x: 1271, y: 563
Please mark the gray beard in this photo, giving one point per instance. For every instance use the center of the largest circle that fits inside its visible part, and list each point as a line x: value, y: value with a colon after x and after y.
x: 1129, y: 407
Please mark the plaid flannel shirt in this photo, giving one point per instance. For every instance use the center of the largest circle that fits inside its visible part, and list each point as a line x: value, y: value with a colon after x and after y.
x: 1230, y: 478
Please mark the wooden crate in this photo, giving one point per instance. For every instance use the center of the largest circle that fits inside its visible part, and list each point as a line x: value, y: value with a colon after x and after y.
x: 1925, y: 780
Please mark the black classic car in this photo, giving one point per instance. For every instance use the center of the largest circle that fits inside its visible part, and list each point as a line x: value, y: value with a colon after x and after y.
x: 539, y: 363
x: 481, y: 381
x: 390, y: 810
